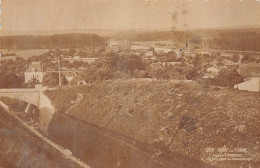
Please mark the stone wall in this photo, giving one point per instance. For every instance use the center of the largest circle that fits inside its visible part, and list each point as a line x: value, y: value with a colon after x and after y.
x: 28, y: 95
x: 37, y: 98
x: 46, y: 112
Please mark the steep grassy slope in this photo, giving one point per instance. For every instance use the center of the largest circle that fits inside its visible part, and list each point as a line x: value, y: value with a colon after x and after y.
x: 177, y: 118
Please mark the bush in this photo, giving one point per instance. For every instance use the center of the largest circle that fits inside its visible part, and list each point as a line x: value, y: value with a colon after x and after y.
x: 51, y: 79
x: 10, y: 80
x: 227, y: 78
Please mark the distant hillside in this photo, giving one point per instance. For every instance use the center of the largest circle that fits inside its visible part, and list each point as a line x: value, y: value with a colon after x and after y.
x: 243, y: 39
x: 178, y: 118
x: 236, y: 39
x: 54, y: 41
x: 151, y: 35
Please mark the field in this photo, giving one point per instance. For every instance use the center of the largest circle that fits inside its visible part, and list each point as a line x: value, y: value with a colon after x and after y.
x: 177, y: 118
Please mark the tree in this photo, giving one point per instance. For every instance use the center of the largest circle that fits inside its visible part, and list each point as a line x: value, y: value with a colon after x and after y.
x: 34, y: 59
x: 227, y: 78
x: 64, y: 81
x: 158, y: 71
x: 195, y: 39
x: 90, y: 73
x: 71, y: 51
x: 10, y: 80
x: 94, y: 73
x: 140, y: 74
x: 12, y: 73
x: 178, y: 72
x: 51, y: 79
x: 34, y: 81
x: 104, y: 73
x: 78, y: 64
x: 235, y: 58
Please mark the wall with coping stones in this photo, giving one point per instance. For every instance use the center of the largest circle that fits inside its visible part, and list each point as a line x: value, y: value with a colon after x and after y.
x: 28, y: 95
x: 46, y: 112
x: 37, y: 98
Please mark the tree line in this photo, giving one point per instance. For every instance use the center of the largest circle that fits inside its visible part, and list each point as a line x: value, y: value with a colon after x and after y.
x: 54, y: 41
x: 240, y: 40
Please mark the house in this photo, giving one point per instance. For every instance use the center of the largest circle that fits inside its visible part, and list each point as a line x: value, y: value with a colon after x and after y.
x: 77, y: 80
x: 234, y: 66
x: 114, y: 45
x: 164, y: 64
x: 89, y: 60
x: 140, y: 51
x: 252, y: 85
x: 34, y: 72
x: 81, y: 82
x: 125, y: 44
x: 212, y: 72
x: 172, y: 63
x: 150, y: 53
x: 251, y: 73
x: 77, y: 58
x: 69, y: 78
x: 157, y: 65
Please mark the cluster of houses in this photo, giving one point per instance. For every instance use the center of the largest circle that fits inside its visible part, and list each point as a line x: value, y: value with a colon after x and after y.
x: 251, y: 73
x: 78, y: 58
x: 35, y: 74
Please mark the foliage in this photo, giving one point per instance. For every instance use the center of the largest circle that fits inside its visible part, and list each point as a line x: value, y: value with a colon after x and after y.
x: 64, y: 81
x: 227, y: 78
x: 93, y: 73
x: 51, y: 79
x: 251, y: 58
x: 12, y: 73
x: 235, y: 58
x: 241, y: 40
x: 54, y: 41
x: 141, y: 74
x: 196, y: 39
x: 10, y: 80
x: 169, y: 57
x: 178, y: 72
x: 113, y: 65
x: 71, y: 52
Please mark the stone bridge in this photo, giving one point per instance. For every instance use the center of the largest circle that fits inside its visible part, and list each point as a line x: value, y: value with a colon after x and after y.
x: 28, y: 95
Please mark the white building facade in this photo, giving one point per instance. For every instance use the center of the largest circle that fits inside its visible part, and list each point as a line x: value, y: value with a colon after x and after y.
x: 34, y: 73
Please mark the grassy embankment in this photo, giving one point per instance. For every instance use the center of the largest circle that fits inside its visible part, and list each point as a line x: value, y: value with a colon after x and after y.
x: 177, y: 118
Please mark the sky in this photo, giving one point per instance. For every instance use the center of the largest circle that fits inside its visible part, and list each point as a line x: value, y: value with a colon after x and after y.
x: 48, y: 15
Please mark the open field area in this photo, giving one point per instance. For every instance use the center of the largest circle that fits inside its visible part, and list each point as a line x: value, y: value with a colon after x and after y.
x: 176, y: 118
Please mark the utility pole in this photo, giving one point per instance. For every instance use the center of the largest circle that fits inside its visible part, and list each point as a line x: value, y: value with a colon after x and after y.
x: 59, y: 70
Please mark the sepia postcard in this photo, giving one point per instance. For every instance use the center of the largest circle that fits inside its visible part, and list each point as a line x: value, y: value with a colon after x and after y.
x: 129, y: 83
